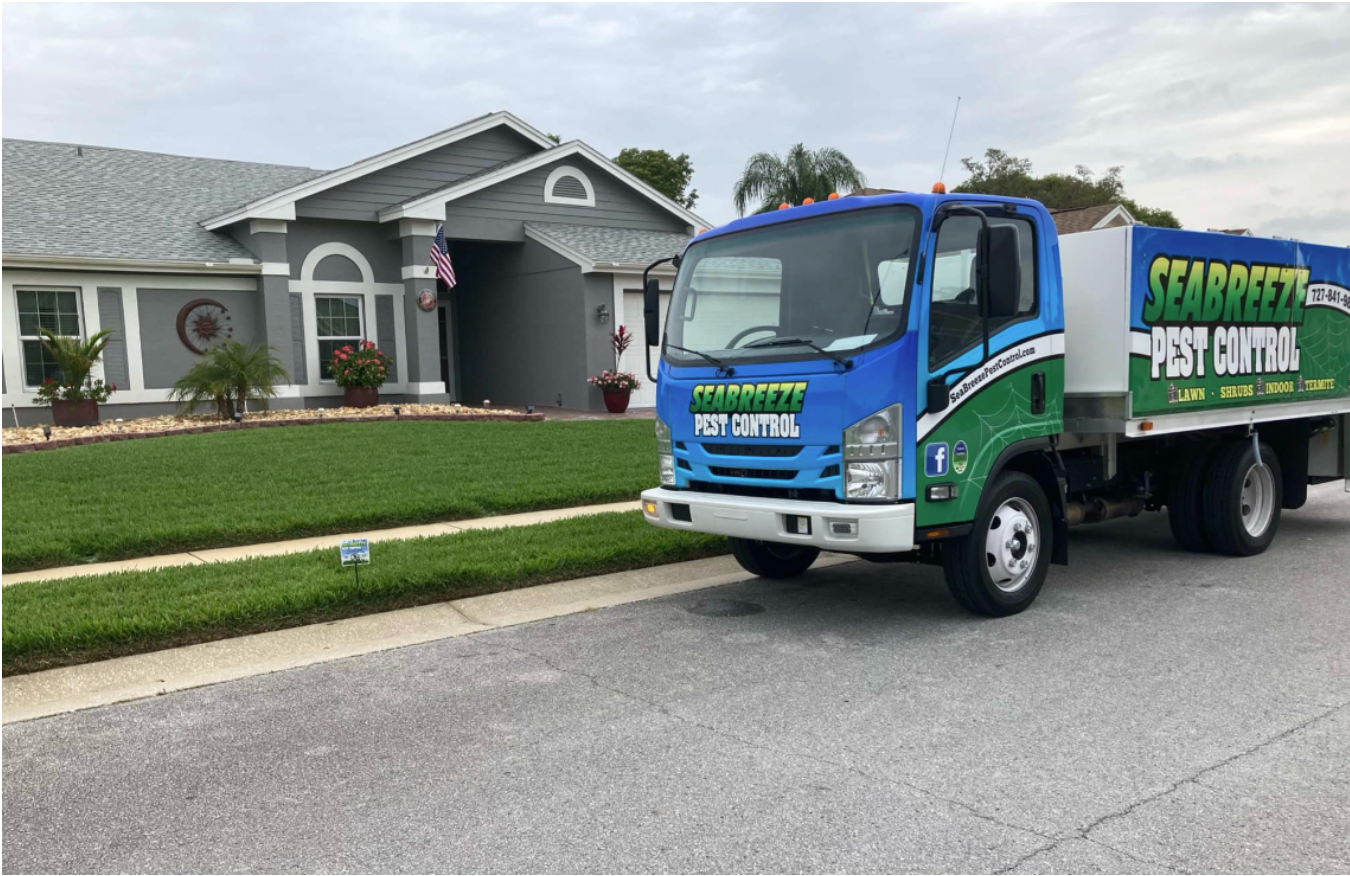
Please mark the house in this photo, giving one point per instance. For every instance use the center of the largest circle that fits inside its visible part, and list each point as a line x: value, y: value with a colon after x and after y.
x: 1077, y: 219
x: 174, y: 253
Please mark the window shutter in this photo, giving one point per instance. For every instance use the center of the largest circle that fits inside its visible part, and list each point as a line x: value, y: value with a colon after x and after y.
x: 110, y: 316
x: 299, y: 373
x: 384, y: 327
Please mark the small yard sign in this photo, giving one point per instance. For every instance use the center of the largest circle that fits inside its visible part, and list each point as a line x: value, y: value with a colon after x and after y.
x: 355, y: 551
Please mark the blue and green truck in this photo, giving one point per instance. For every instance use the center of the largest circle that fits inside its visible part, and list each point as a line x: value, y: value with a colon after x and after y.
x: 942, y: 379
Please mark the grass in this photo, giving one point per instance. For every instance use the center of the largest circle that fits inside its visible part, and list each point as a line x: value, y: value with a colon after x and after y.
x: 77, y: 620
x: 134, y: 498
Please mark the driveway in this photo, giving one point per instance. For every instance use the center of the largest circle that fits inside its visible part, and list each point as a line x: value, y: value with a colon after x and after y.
x: 1154, y: 711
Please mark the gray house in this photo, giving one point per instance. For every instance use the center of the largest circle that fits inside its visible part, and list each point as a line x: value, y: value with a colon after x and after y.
x: 548, y: 243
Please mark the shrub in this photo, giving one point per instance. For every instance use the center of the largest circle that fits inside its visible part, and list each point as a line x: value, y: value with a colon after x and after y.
x: 76, y: 358
x: 228, y: 376
x: 364, y: 366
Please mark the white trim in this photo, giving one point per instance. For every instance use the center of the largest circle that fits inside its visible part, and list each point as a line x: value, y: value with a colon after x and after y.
x: 276, y: 269
x: 418, y: 272
x: 131, y: 323
x: 1118, y: 213
x: 324, y: 250
x: 279, y: 204
x: 435, y: 386
x: 12, y: 262
x: 568, y: 170
x: 417, y: 227
x: 1166, y: 424
x: 432, y: 204
x: 267, y: 226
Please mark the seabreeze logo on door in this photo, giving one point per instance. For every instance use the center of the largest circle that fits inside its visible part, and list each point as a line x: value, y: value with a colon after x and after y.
x: 747, y: 410
x: 935, y: 459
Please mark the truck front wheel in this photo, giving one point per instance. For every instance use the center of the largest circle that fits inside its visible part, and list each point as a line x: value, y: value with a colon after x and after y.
x: 1243, y: 497
x: 999, y: 568
x: 769, y: 559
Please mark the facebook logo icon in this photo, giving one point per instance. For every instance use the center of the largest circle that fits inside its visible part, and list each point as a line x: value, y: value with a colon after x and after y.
x: 935, y: 459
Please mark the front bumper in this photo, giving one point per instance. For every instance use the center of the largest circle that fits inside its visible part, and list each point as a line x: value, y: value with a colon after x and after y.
x: 870, y: 528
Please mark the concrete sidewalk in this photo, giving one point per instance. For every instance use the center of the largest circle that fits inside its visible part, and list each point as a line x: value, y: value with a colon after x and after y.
x: 71, y: 688
x: 300, y: 545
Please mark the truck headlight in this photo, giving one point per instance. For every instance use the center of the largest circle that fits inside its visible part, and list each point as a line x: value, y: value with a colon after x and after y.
x: 871, y: 481
x: 874, y: 437
x: 664, y: 457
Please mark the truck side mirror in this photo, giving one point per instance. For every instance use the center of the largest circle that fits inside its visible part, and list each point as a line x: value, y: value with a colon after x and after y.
x: 939, y: 396
x: 1002, y: 258
x: 651, y: 311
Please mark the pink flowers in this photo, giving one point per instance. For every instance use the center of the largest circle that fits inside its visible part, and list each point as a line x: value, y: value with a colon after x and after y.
x: 362, y: 366
x: 615, y: 381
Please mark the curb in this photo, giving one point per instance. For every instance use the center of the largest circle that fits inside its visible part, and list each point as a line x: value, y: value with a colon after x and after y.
x: 124, y: 679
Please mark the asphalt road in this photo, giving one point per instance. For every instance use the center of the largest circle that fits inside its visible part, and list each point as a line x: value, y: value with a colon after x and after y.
x: 1154, y: 711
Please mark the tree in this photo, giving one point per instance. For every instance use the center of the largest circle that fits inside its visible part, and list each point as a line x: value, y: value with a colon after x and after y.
x: 228, y: 376
x: 554, y: 137
x: 669, y: 175
x: 769, y: 180
x: 1004, y: 174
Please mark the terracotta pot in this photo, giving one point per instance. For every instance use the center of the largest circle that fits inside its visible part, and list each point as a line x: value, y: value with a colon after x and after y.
x: 75, y: 413
x: 360, y: 396
x: 616, y: 402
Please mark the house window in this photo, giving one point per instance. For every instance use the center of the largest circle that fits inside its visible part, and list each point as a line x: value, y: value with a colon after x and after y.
x: 339, y: 325
x: 567, y: 185
x: 57, y: 311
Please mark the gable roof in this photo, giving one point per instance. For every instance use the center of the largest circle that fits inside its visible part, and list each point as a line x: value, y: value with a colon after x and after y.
x: 76, y: 201
x: 281, y: 204
x: 596, y: 248
x: 431, y: 205
x: 1076, y: 219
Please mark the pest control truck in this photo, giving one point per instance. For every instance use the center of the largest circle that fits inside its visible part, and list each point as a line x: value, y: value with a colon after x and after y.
x: 942, y: 379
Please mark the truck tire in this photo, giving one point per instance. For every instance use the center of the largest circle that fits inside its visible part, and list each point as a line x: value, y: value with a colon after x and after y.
x: 1186, y: 497
x: 1243, y: 499
x: 999, y: 568
x: 769, y: 559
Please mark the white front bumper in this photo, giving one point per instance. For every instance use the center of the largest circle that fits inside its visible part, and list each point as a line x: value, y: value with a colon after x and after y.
x: 874, y: 528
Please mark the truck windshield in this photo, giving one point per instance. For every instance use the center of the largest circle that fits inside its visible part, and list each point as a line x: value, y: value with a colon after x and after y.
x: 836, y: 282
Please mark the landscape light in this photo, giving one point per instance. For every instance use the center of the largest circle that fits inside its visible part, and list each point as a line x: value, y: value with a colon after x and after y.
x: 396, y: 409
x: 238, y: 417
x: 529, y: 409
x: 47, y: 432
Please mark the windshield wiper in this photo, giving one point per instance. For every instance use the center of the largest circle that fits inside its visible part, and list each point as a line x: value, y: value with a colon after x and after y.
x: 801, y: 342
x: 721, y: 366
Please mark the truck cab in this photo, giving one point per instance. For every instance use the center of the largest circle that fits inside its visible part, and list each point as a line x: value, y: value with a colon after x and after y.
x: 885, y: 376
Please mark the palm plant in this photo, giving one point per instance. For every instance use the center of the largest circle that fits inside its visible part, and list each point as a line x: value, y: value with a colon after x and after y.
x: 770, y: 180
x: 75, y: 356
x: 228, y: 376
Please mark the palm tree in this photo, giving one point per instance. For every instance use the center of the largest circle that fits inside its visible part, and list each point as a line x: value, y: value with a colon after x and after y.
x: 75, y: 356
x: 803, y: 173
x: 228, y: 376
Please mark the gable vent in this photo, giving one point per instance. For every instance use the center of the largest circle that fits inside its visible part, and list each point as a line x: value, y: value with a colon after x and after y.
x: 568, y: 185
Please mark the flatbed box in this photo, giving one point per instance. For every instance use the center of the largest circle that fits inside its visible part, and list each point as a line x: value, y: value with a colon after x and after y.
x: 1171, y: 331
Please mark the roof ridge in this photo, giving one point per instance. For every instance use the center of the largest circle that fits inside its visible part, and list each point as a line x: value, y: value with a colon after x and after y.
x: 164, y: 154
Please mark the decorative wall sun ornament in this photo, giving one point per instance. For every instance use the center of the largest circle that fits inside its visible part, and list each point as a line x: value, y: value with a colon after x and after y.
x: 204, y: 324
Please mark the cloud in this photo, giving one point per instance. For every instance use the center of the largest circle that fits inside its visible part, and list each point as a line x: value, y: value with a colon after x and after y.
x: 1202, y: 104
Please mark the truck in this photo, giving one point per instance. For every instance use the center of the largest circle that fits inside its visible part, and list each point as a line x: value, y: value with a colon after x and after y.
x: 940, y: 378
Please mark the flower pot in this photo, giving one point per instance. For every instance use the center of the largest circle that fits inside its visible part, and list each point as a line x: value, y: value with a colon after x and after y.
x: 361, y: 396
x: 616, y: 402
x: 83, y: 412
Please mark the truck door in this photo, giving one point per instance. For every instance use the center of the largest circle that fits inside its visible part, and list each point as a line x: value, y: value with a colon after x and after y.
x: 1013, y: 395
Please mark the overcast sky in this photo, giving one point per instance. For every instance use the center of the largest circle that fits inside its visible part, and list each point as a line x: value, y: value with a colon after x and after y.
x: 1226, y: 115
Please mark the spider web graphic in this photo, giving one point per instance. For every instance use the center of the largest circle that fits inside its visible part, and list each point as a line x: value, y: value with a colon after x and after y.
x: 1325, y: 348
x: 1012, y: 421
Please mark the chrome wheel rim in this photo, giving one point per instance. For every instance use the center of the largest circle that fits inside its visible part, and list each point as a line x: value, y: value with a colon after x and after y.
x: 1257, y: 504
x: 1011, y: 545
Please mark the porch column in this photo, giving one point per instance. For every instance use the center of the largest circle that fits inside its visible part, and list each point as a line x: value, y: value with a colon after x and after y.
x: 421, y: 327
x: 267, y: 240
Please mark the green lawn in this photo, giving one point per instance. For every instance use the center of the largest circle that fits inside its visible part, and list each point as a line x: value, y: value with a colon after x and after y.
x: 111, y: 501
x: 56, y: 623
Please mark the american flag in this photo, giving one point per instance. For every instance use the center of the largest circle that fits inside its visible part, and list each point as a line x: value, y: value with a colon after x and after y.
x: 440, y: 257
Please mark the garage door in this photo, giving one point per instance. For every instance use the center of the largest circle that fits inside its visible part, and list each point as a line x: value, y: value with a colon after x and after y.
x: 633, y: 359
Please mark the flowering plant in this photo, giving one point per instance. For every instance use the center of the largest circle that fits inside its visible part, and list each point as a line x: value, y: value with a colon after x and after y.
x: 51, y: 390
x: 615, y: 381
x: 363, y: 366
x: 620, y: 341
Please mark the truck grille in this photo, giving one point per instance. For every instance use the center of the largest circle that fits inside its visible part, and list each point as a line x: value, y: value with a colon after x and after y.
x: 806, y: 494
x: 765, y: 474
x: 761, y: 450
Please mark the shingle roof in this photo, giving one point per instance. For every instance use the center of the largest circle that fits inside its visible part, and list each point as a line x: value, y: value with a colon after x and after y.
x: 1076, y: 219
x: 96, y: 202
x: 613, y: 245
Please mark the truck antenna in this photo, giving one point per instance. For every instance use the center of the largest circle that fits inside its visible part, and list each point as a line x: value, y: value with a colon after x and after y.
x: 949, y: 139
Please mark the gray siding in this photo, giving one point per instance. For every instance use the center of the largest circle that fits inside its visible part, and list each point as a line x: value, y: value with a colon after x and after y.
x: 164, y: 359
x: 299, y: 368
x: 269, y: 246
x: 384, y: 327
x: 362, y: 199
x: 521, y: 199
x: 111, y: 316
x: 521, y: 331
x: 369, y: 239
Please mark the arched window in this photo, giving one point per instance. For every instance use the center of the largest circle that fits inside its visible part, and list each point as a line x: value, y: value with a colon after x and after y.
x: 567, y: 185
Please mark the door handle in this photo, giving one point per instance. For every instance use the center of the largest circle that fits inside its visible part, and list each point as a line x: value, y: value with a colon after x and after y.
x: 1038, y: 392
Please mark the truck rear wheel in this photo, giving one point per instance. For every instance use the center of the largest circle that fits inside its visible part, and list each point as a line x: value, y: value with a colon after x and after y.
x: 1243, y: 498
x: 1186, y: 497
x: 769, y: 559
x: 999, y: 568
